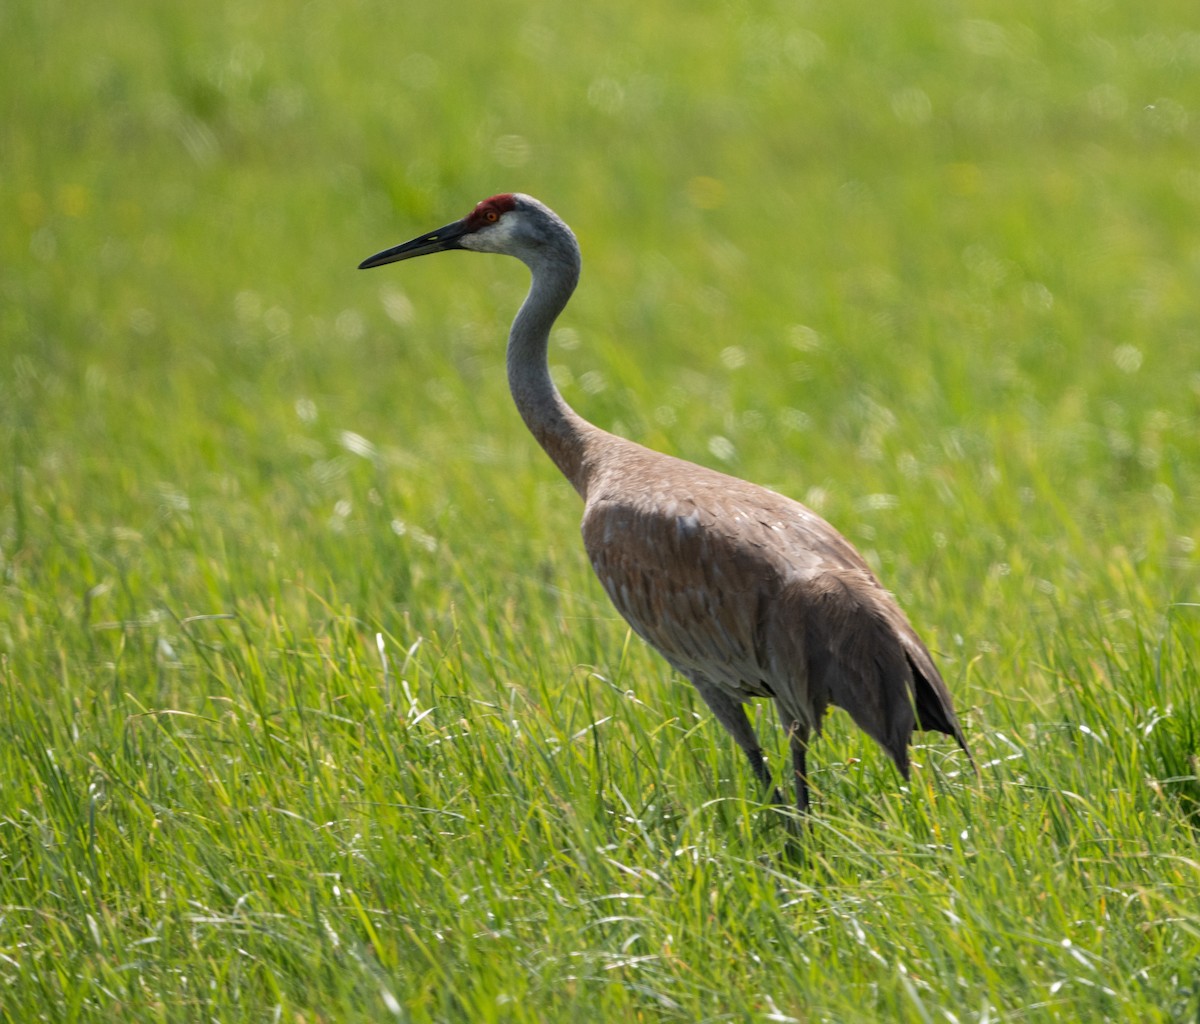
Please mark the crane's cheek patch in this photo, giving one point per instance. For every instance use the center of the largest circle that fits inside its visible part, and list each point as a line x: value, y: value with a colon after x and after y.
x: 492, y: 238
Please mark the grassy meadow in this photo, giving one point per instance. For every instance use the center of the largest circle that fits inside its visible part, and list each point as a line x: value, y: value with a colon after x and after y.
x: 310, y: 708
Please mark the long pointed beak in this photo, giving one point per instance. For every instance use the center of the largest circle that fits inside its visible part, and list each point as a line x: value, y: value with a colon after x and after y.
x: 436, y: 241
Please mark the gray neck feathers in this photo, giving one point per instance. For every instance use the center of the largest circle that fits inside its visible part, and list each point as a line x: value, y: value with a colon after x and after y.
x: 555, y: 425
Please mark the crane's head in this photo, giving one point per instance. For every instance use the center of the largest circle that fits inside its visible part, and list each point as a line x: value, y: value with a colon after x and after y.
x: 509, y: 223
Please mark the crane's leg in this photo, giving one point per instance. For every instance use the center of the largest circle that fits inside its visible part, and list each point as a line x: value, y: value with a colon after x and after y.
x: 731, y: 714
x: 798, y: 741
x: 798, y: 738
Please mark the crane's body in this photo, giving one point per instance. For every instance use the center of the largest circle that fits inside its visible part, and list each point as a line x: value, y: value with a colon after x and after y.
x: 744, y: 591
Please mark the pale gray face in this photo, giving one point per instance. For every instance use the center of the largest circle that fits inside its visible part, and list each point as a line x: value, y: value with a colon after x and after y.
x: 508, y: 234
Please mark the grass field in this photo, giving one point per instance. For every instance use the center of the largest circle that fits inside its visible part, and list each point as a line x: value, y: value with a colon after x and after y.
x: 310, y: 709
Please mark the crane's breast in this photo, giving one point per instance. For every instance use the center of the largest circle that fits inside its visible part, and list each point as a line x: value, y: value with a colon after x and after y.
x: 695, y: 585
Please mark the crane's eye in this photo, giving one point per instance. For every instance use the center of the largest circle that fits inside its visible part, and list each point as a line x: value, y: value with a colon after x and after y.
x: 491, y: 216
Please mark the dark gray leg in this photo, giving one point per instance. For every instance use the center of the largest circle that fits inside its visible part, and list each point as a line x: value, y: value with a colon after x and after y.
x: 731, y: 714
x: 798, y: 741
x: 798, y: 738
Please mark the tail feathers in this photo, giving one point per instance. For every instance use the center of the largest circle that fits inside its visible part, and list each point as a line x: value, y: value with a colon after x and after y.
x: 934, y: 710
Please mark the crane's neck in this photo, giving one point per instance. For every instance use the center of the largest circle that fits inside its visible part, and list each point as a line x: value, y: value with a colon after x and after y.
x: 562, y: 432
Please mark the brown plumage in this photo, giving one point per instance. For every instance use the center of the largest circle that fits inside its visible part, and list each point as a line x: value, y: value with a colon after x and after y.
x: 745, y: 592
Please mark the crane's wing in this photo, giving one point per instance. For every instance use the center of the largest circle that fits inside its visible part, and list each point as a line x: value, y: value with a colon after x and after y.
x: 862, y: 652
x: 689, y: 584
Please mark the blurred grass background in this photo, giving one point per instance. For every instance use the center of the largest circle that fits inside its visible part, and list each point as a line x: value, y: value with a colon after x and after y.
x: 312, y: 710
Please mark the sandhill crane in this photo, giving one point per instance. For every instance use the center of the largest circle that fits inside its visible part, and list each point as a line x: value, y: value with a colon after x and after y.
x: 745, y: 592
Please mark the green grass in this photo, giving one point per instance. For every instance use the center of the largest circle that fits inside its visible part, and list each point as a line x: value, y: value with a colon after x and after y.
x: 309, y: 707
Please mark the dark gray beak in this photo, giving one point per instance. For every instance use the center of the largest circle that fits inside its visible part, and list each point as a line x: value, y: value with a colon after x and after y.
x: 436, y: 241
